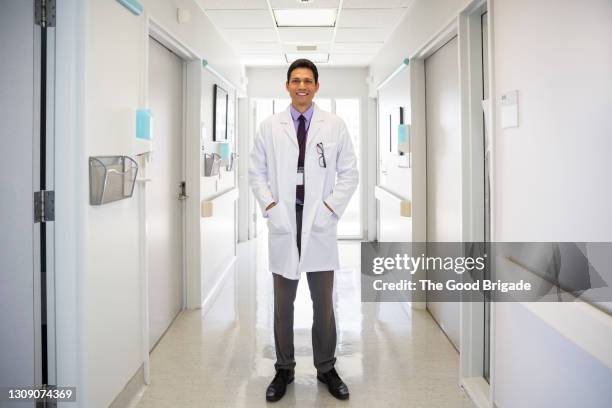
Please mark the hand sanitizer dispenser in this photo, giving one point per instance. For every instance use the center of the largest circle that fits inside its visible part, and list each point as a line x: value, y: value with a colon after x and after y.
x: 143, y: 142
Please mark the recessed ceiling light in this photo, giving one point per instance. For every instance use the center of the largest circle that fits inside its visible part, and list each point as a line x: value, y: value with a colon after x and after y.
x: 301, y: 17
x: 319, y: 57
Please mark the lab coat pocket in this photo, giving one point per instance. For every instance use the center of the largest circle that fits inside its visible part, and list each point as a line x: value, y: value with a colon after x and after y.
x: 325, y: 220
x: 278, y: 221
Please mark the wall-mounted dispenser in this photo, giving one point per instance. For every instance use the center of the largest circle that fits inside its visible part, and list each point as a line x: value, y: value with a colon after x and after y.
x: 224, y: 150
x: 403, y: 138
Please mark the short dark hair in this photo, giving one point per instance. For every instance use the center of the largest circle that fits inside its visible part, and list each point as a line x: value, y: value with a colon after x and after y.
x: 303, y: 63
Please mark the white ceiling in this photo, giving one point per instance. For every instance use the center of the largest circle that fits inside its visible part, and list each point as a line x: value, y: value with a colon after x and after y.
x: 362, y: 27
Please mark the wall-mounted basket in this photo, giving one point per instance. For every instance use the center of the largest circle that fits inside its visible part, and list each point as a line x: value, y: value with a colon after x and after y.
x: 111, y: 178
x: 212, y: 161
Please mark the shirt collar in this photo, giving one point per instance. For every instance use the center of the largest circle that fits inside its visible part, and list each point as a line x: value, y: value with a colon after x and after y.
x: 295, y: 114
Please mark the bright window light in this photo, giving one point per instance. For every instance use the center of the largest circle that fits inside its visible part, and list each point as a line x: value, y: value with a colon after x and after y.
x: 305, y: 17
x: 314, y: 57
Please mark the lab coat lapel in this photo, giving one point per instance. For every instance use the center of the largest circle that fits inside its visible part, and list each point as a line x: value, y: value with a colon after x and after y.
x: 288, y: 126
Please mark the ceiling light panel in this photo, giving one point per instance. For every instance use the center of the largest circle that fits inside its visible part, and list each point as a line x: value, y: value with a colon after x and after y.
x: 319, y: 57
x: 287, y: 4
x: 305, y: 17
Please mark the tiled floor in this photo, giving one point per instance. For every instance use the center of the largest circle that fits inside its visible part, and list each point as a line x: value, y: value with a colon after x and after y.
x: 388, y: 355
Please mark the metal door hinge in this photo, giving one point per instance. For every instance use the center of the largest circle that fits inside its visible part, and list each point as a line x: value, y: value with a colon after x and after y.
x: 44, y: 13
x: 44, y: 206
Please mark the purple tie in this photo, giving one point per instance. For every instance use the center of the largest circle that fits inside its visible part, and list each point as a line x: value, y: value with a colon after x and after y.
x: 301, y: 137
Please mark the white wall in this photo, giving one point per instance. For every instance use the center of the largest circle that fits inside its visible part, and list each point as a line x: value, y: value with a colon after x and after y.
x: 109, y: 295
x: 110, y: 291
x: 549, y: 172
x: 198, y: 34
x: 549, y: 181
x: 218, y: 238
x: 423, y: 20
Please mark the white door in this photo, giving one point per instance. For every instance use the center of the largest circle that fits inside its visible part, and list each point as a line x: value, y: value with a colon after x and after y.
x: 443, y: 168
x: 20, y: 324
x: 164, y: 205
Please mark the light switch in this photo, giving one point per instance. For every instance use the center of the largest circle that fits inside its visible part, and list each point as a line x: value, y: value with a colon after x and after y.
x: 509, y: 110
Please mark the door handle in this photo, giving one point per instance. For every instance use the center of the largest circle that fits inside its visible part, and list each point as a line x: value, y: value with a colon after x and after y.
x: 182, y: 191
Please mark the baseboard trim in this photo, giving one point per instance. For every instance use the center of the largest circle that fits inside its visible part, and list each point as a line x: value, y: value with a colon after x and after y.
x: 477, y: 390
x: 216, y: 289
x: 132, y: 392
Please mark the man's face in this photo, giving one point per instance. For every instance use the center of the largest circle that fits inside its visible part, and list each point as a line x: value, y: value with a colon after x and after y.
x: 302, y: 87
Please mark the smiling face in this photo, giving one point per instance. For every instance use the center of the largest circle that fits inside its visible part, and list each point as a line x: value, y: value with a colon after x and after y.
x: 302, y: 88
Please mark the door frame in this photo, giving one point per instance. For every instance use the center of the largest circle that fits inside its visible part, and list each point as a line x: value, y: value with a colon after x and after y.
x: 158, y: 33
x: 418, y: 134
x: 472, y: 314
x: 470, y: 379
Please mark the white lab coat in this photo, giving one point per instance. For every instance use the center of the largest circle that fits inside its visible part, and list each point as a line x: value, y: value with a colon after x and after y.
x: 272, y: 176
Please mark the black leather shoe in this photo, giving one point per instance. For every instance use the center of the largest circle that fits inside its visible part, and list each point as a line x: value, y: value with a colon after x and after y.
x: 278, y: 386
x: 335, y: 385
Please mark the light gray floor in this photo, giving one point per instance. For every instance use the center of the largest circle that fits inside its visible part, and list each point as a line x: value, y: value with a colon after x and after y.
x: 388, y: 355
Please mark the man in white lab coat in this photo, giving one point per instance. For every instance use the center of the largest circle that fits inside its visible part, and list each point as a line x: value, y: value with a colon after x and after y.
x: 303, y: 172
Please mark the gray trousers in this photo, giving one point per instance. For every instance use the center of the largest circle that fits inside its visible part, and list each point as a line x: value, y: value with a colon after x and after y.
x: 321, y: 285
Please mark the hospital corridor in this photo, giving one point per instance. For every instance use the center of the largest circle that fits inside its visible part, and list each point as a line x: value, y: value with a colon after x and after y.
x: 235, y: 337
x: 306, y: 203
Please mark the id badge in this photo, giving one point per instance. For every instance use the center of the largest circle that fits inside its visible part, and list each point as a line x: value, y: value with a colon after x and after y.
x: 299, y: 180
